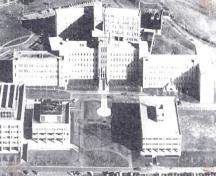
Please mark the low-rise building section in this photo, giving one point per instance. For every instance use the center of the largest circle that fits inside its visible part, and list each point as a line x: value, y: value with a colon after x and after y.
x: 161, y: 135
x: 50, y: 126
x: 158, y: 70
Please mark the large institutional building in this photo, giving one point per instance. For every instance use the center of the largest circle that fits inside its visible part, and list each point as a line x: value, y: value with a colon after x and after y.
x: 50, y: 126
x: 97, y: 42
x: 161, y: 135
x: 12, y: 108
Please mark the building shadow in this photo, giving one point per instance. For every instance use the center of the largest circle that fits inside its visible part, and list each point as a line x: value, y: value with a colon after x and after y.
x: 126, y: 126
x: 188, y: 82
x: 151, y: 20
x: 81, y: 29
x: 26, y: 2
x: 44, y: 26
x: 83, y: 84
x: 6, y: 71
x: 133, y: 79
x: 148, y: 37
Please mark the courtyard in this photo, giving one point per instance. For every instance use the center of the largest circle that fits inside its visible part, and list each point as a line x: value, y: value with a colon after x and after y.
x: 115, y: 141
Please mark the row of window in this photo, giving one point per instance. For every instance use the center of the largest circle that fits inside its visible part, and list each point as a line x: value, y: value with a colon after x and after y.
x: 82, y: 65
x: 125, y: 54
x: 9, y: 126
x: 37, y: 65
x: 161, y: 144
x: 83, y: 54
x: 55, y: 129
x: 158, y: 149
x: 38, y: 70
x: 81, y: 59
x: 6, y: 114
x: 32, y: 76
x: 133, y: 34
x: 8, y: 148
x: 125, y: 65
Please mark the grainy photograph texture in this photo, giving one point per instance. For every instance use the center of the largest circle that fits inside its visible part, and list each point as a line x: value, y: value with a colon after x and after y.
x: 107, y: 87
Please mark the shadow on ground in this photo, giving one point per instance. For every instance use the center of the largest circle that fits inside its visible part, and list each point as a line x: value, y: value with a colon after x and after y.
x: 126, y: 126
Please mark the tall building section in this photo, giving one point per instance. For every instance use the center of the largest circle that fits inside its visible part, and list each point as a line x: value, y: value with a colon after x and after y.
x: 98, y: 15
x: 122, y: 24
x: 12, y: 108
x: 206, y: 71
x: 120, y: 60
x: 79, y: 61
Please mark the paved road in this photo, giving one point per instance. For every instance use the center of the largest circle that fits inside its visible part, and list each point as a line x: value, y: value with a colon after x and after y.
x: 63, y: 170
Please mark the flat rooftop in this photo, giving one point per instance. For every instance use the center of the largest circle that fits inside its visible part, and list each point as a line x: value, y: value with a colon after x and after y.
x: 51, y: 107
x: 49, y: 111
x: 170, y: 59
x: 121, y: 12
x: 58, y: 43
x: 151, y: 20
x: 149, y: 106
x: 34, y: 54
x: 11, y: 99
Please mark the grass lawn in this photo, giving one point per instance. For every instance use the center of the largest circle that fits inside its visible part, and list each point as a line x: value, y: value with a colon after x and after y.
x: 191, y: 14
x: 103, y: 158
x: 96, y: 139
x: 91, y: 109
x: 10, y: 27
x: 171, y: 42
x: 52, y: 158
x: 96, y: 136
x: 198, y: 130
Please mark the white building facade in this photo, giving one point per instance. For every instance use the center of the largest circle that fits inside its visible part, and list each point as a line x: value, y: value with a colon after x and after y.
x: 120, y: 60
x: 161, y: 135
x: 50, y: 130
x: 12, y: 108
x: 79, y: 61
x: 158, y: 70
x: 122, y: 24
x: 35, y: 68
